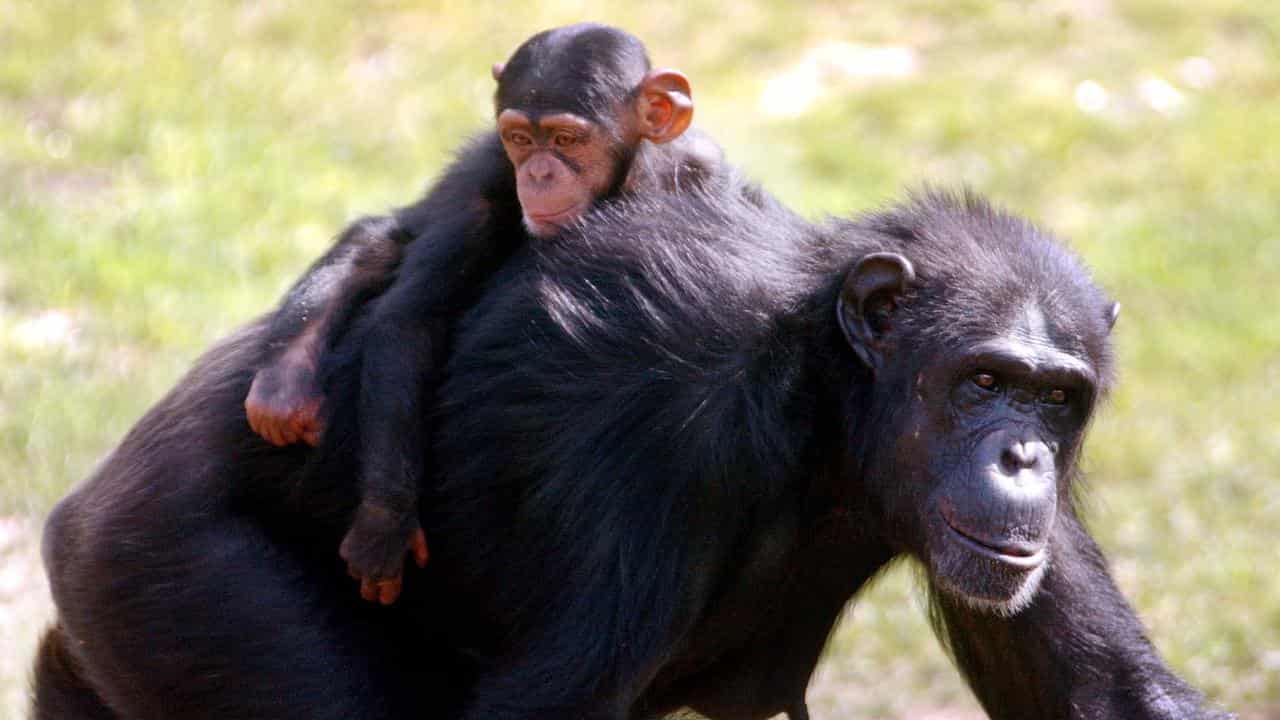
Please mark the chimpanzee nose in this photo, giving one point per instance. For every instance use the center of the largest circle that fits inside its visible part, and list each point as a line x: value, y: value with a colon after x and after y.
x: 1021, y: 455
x: 1014, y: 494
x: 540, y: 168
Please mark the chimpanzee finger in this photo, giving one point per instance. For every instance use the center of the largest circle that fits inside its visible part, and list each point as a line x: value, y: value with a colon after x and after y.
x: 260, y: 427
x: 298, y: 424
x: 389, y: 590
x: 289, y: 431
x: 418, y: 545
x: 280, y: 430
x: 369, y: 590
x: 271, y: 435
x: 309, y: 429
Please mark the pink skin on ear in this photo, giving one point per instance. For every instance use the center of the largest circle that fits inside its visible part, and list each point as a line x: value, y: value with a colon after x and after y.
x: 665, y: 106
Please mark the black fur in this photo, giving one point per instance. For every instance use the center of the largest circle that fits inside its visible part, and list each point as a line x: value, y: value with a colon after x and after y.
x: 586, y: 69
x: 664, y: 473
x: 452, y: 240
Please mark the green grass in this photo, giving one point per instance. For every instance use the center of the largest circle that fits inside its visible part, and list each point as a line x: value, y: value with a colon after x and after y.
x: 166, y: 169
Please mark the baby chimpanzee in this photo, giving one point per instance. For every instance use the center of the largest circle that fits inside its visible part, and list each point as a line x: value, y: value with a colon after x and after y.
x: 575, y: 107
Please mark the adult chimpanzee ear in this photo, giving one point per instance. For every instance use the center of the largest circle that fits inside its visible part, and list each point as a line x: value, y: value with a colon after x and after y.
x: 1113, y: 314
x: 664, y: 105
x: 867, y: 300
x: 497, y: 71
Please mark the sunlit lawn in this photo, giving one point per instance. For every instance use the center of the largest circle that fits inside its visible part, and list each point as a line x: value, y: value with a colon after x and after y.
x: 166, y: 169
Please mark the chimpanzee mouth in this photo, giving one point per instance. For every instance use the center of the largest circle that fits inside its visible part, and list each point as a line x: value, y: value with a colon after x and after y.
x: 558, y: 217
x: 1022, y: 555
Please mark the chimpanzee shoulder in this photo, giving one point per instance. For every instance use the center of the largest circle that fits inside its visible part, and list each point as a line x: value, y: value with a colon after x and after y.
x: 680, y: 287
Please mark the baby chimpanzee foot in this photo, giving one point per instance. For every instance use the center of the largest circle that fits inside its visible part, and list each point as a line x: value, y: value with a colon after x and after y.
x: 374, y: 550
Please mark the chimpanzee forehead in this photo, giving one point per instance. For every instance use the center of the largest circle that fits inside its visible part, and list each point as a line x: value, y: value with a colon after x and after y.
x: 1033, y: 323
x: 539, y: 98
x: 581, y: 69
x: 1023, y: 319
x: 1033, y: 355
x: 546, y: 122
x: 1031, y: 327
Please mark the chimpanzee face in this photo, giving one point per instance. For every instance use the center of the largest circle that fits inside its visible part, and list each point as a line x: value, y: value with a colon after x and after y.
x: 1004, y: 420
x: 563, y: 163
x: 573, y: 105
x: 985, y: 429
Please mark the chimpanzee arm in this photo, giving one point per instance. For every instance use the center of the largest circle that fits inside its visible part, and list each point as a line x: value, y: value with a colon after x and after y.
x: 283, y: 404
x: 470, y: 223
x: 1078, y: 651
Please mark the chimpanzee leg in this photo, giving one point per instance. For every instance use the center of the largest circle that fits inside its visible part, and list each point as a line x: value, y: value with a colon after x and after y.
x: 218, y: 622
x: 61, y: 692
x: 284, y: 402
x: 589, y: 644
x: 1078, y: 651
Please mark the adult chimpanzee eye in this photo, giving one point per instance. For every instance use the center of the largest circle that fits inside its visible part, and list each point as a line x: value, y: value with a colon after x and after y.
x: 984, y: 380
x: 564, y: 139
x: 519, y: 139
x: 1056, y: 396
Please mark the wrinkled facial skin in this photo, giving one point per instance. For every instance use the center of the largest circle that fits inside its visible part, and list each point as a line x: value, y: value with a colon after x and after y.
x: 990, y: 438
x: 563, y: 163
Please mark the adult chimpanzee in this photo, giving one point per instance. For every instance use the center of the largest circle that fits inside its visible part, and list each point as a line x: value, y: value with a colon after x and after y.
x: 581, y: 116
x: 674, y: 443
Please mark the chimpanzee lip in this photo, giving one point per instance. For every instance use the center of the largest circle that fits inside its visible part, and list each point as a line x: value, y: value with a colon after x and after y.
x: 1026, y: 556
x: 552, y: 217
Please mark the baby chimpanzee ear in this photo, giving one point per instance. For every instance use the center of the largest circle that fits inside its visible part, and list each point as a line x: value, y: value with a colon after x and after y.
x: 868, y: 299
x: 664, y: 105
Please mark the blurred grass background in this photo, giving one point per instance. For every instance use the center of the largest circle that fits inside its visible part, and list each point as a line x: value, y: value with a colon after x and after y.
x: 166, y: 170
